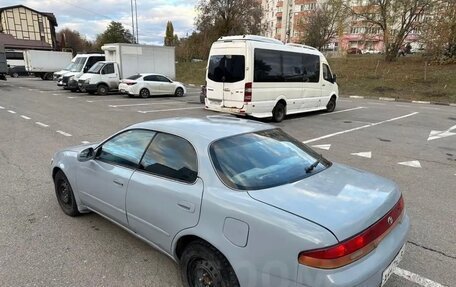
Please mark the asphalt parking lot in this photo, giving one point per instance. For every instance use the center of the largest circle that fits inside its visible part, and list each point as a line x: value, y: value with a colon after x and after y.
x: 413, y: 144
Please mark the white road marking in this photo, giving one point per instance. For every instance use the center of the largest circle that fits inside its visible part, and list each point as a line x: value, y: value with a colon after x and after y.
x: 415, y: 278
x: 107, y: 100
x: 421, y: 102
x: 441, y: 134
x: 356, y: 97
x: 56, y: 94
x: 413, y: 163
x: 366, y: 154
x: 85, y: 142
x: 2, y: 108
x: 322, y: 146
x: 387, y: 99
x: 145, y: 104
x: 342, y: 111
x: 168, y: 110
x: 25, y: 117
x: 31, y: 89
x: 64, y: 133
x: 359, y: 128
x: 11, y: 112
x: 71, y: 97
x: 378, y: 104
x: 41, y: 124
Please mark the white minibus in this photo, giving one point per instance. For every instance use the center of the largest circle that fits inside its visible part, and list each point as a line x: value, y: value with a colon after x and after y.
x: 262, y: 77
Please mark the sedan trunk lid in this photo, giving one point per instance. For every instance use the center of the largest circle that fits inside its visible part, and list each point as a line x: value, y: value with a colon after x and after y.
x: 344, y: 200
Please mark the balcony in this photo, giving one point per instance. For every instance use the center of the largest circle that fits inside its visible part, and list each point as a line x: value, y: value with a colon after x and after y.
x: 279, y: 14
x: 279, y: 4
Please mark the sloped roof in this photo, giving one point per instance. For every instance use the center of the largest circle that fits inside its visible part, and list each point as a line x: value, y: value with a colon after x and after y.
x: 12, y: 43
x: 50, y: 16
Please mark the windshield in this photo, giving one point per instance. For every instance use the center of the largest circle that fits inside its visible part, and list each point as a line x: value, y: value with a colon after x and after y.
x: 263, y: 160
x: 226, y: 68
x: 96, y: 68
x: 69, y: 67
x: 134, y: 77
x: 78, y: 64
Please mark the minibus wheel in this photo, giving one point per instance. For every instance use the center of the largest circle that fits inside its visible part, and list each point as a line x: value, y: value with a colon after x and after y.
x: 331, y: 106
x: 279, y: 112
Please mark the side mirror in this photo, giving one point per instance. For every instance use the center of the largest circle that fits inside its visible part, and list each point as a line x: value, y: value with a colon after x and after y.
x: 86, y: 154
x: 334, y: 78
x: 85, y: 69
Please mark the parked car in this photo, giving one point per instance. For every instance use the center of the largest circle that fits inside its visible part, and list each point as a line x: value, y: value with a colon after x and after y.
x: 17, y: 71
x: 238, y: 203
x: 203, y: 94
x: 146, y: 85
x: 371, y: 51
x: 354, y: 51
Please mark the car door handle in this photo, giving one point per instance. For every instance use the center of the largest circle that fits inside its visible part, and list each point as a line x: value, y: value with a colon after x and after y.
x: 118, y: 182
x: 324, y: 85
x: 210, y: 89
x: 187, y: 206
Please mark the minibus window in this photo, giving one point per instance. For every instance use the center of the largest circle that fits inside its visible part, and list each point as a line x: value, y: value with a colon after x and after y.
x: 226, y: 68
x: 311, y: 68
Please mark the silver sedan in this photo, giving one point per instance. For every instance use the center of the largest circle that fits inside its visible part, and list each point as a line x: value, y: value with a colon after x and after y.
x: 238, y: 203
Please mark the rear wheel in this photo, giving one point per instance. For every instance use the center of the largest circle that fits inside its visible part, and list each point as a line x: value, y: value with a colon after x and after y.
x: 65, y: 195
x: 144, y: 93
x: 102, y: 89
x: 331, y: 106
x: 15, y: 75
x: 179, y: 92
x: 279, y: 112
x: 203, y: 265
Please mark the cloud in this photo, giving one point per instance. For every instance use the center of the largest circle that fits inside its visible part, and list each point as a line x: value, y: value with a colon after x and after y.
x: 91, y: 17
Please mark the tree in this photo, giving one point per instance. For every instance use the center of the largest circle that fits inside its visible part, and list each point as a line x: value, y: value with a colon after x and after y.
x: 171, y: 39
x: 218, y: 18
x: 322, y: 25
x: 114, y: 33
x: 395, y: 18
x: 72, y: 39
x: 439, y: 31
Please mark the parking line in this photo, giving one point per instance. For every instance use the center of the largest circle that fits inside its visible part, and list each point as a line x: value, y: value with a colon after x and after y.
x: 107, y: 100
x: 145, y: 104
x: 168, y: 110
x: 415, y: 278
x: 11, y: 112
x: 25, y: 117
x: 64, y: 133
x: 2, y: 108
x: 359, y: 128
x: 342, y: 111
x: 41, y: 124
x: 85, y: 142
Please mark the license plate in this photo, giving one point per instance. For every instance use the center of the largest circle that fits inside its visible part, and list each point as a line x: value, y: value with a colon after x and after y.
x: 390, y: 269
x: 122, y: 91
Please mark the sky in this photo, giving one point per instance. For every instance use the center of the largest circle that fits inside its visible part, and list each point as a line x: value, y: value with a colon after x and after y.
x: 91, y: 17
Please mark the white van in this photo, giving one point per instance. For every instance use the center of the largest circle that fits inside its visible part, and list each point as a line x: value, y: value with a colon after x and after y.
x: 262, y: 77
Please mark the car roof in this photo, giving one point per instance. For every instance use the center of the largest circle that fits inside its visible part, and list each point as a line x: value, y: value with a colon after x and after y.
x: 206, y: 129
x: 151, y: 74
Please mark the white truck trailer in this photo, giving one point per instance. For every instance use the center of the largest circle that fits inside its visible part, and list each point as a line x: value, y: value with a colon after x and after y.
x: 125, y: 60
x: 44, y: 63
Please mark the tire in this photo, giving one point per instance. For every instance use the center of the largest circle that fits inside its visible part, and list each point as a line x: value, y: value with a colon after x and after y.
x: 65, y: 196
x: 331, y: 106
x: 203, y: 265
x: 279, y: 112
x: 15, y: 75
x: 179, y: 92
x: 144, y: 93
x: 102, y: 90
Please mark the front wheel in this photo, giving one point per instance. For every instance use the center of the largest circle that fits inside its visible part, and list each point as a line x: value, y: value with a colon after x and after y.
x: 202, y: 265
x: 102, y: 90
x: 179, y: 92
x: 331, y: 106
x: 65, y: 195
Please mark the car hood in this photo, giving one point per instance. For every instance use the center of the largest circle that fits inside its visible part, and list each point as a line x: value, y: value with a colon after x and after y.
x: 344, y: 200
x: 79, y: 148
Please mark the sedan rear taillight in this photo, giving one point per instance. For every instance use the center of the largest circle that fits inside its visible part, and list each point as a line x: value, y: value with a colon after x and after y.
x: 130, y: 83
x: 355, y: 247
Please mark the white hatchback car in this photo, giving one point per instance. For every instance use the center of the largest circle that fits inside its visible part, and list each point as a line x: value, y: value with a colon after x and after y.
x: 146, y: 85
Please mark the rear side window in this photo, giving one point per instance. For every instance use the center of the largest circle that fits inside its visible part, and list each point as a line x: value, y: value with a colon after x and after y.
x: 172, y: 157
x: 163, y: 79
x: 226, y: 68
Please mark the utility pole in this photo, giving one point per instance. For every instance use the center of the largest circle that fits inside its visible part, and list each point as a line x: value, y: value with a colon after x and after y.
x: 132, y: 22
x: 137, y: 33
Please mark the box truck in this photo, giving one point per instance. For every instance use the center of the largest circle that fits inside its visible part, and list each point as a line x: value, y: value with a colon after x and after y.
x: 124, y: 60
x: 44, y: 63
x: 3, y: 65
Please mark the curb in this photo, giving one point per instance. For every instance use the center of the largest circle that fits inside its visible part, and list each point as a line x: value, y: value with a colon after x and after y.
x: 400, y: 100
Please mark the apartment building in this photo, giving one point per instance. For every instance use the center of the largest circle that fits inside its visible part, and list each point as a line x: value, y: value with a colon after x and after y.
x: 25, y: 28
x: 283, y: 20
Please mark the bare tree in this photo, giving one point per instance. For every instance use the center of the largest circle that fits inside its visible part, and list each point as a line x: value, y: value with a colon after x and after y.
x: 323, y: 24
x: 72, y: 39
x: 395, y: 18
x: 439, y: 31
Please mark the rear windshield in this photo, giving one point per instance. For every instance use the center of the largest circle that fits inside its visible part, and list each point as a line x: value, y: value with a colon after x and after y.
x: 134, y: 77
x: 263, y: 160
x: 226, y: 68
